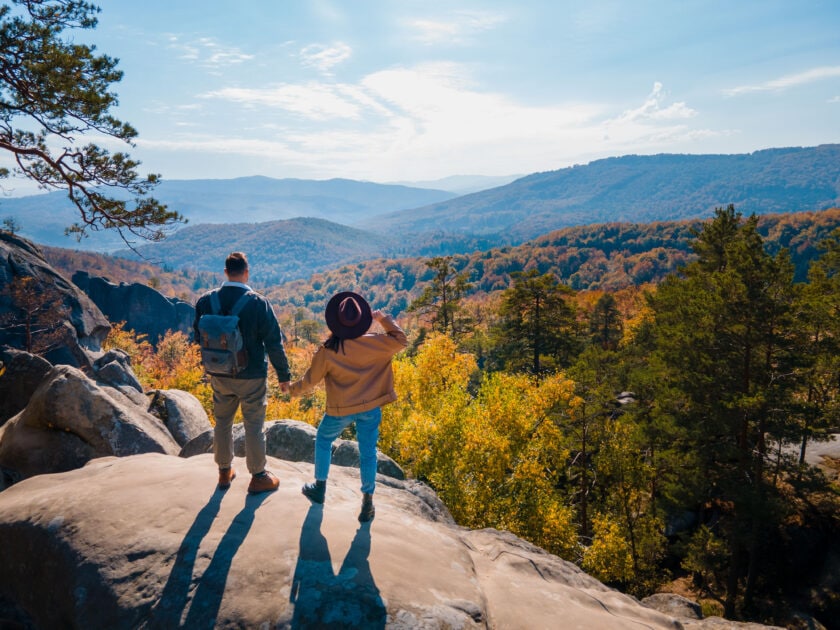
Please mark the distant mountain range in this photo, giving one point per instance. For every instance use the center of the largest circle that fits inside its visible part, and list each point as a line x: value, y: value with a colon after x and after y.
x: 631, y: 188
x: 293, y: 228
x: 245, y: 199
x: 463, y: 184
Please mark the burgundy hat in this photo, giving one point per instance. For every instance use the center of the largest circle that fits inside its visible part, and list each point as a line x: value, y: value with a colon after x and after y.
x: 348, y: 315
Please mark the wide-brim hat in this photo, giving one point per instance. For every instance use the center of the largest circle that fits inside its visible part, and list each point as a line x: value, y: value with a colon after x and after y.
x: 348, y: 315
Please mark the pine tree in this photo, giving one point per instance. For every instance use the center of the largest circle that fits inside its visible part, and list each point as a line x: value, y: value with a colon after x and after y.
x: 54, y: 90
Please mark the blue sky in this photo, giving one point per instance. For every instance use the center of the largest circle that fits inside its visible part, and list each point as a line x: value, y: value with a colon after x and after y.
x: 387, y: 90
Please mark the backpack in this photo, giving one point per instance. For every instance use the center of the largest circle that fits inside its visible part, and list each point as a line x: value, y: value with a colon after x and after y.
x: 222, y: 346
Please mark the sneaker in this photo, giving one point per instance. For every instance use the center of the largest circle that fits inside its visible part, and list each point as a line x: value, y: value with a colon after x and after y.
x: 226, y: 475
x: 263, y: 482
x: 368, y: 511
x: 315, y: 491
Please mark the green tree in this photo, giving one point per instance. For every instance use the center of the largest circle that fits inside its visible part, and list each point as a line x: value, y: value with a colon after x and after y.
x: 605, y: 325
x: 724, y: 336
x: 440, y: 301
x: 537, y: 326
x: 54, y: 90
x: 819, y: 309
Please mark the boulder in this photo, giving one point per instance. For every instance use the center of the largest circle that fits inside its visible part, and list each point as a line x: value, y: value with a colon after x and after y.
x: 143, y: 309
x: 20, y: 375
x: 180, y: 553
x: 674, y: 605
x: 114, y: 368
x: 181, y: 412
x: 70, y: 420
x: 294, y: 441
x: 85, y: 327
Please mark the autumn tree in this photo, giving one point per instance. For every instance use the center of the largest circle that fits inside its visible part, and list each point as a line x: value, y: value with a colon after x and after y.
x: 440, y: 301
x: 36, y: 314
x: 54, y: 90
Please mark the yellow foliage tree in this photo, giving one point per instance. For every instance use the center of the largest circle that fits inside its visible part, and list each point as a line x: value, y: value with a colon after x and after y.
x: 493, y: 457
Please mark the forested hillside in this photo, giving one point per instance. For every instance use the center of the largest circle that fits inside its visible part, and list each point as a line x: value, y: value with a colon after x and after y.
x: 278, y: 251
x: 637, y: 189
x: 608, y: 256
x: 43, y: 218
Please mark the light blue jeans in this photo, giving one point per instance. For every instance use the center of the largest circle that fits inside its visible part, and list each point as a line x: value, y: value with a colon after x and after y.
x: 367, y: 432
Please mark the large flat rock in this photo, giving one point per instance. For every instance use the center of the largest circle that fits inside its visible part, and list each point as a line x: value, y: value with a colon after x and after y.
x: 147, y: 541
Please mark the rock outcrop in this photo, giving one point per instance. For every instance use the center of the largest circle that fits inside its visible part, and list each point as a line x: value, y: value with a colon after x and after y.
x: 294, y: 441
x: 85, y: 327
x: 143, y: 309
x: 173, y: 551
x: 180, y: 412
x: 20, y: 375
x: 70, y: 419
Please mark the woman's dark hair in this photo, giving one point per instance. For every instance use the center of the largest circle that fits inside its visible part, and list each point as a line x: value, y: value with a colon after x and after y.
x: 334, y: 343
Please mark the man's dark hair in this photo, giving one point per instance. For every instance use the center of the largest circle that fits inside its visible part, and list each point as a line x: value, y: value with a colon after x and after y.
x: 236, y: 263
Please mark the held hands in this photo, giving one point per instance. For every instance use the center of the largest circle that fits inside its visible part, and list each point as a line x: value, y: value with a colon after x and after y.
x: 378, y: 315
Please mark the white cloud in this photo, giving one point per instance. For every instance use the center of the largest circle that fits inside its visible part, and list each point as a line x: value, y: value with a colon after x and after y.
x: 788, y: 81
x: 653, y: 109
x: 313, y: 101
x: 457, y: 28
x: 430, y: 120
x: 207, y: 52
x: 835, y: 99
x: 324, y: 58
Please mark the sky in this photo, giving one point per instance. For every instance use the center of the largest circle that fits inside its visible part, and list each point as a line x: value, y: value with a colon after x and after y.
x: 405, y: 90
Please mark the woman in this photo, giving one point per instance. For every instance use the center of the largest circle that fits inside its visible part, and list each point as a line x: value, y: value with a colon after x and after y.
x: 355, y: 366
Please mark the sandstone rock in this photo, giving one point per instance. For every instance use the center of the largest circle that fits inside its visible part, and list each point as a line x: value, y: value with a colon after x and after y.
x: 181, y: 412
x: 176, y: 552
x: 143, y: 309
x: 114, y: 368
x: 20, y: 375
x: 86, y: 326
x: 674, y: 605
x: 70, y: 420
x: 294, y: 441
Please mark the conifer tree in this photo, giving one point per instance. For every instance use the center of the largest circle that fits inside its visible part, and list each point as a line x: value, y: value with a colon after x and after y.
x: 54, y: 90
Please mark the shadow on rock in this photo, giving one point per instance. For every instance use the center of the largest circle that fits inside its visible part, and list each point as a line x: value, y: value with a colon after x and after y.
x: 323, y: 599
x: 207, y: 599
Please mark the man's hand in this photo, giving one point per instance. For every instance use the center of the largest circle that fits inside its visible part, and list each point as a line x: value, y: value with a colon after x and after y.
x: 284, y: 387
x: 378, y: 315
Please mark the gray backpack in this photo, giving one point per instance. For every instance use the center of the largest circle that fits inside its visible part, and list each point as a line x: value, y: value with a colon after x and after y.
x: 222, y: 346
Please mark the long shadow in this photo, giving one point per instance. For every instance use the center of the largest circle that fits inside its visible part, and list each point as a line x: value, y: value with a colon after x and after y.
x: 211, y: 587
x: 323, y: 599
x: 173, y: 600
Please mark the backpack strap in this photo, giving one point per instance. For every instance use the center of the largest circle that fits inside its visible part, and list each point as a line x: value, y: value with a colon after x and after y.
x: 215, y: 303
x: 241, y: 302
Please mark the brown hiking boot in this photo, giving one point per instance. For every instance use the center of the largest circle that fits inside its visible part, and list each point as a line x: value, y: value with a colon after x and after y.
x: 226, y: 475
x: 263, y: 482
x: 368, y: 511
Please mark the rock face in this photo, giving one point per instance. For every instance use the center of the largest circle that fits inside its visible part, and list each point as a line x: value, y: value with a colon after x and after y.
x: 143, y: 309
x: 294, y: 441
x: 174, y: 551
x: 20, y: 375
x: 181, y: 412
x: 70, y: 419
x: 86, y: 326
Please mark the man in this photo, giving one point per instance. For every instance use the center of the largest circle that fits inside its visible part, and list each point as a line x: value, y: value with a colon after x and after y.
x: 261, y: 334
